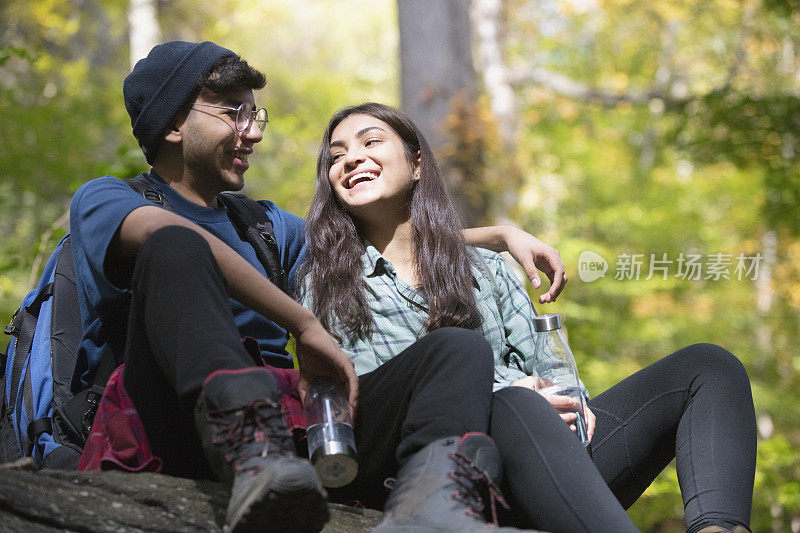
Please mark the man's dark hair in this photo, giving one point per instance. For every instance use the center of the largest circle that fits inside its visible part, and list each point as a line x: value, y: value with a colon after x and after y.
x: 229, y: 74
x: 232, y: 73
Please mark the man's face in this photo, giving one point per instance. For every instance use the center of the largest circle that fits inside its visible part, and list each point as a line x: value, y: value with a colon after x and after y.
x: 215, y: 153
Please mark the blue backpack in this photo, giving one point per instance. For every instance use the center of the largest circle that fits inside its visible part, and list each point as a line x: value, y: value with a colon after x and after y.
x: 42, y: 415
x: 38, y: 367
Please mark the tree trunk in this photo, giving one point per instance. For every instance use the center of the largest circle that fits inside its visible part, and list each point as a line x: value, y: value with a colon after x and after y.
x: 439, y: 93
x: 145, y: 31
x: 765, y: 292
x: 487, y: 21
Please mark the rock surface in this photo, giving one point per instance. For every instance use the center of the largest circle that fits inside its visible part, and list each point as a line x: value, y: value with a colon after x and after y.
x: 34, y: 501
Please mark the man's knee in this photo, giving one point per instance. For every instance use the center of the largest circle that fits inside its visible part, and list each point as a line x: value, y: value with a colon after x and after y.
x: 174, y: 249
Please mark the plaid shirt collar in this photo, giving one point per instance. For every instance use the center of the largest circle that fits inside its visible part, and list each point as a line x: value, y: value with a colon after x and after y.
x: 374, y: 263
x: 375, y: 266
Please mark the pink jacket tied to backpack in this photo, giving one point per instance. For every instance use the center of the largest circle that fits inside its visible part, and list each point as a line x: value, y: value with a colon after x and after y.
x: 117, y: 440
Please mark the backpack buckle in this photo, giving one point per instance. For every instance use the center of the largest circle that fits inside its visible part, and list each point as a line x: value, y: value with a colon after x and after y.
x: 266, y: 235
x: 11, y: 327
x: 88, y: 416
x: 154, y: 196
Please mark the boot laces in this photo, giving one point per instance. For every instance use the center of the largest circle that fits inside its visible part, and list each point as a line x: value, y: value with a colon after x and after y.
x: 476, y: 489
x: 250, y: 430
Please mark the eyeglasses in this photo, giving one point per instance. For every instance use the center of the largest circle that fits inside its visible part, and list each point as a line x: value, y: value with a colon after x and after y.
x: 245, y: 114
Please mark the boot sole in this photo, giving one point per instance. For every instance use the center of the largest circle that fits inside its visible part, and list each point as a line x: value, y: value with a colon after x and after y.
x: 405, y: 529
x: 417, y: 528
x: 295, y: 510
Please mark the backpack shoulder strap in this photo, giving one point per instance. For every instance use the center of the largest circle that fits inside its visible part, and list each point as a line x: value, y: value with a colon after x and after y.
x: 143, y: 186
x: 248, y: 217
x: 23, y: 326
x: 253, y: 224
x: 483, y: 266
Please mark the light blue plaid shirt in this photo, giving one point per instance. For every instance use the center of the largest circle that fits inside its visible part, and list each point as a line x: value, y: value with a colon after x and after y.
x: 399, y: 314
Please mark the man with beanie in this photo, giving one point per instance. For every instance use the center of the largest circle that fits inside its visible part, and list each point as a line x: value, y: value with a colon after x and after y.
x: 175, y: 292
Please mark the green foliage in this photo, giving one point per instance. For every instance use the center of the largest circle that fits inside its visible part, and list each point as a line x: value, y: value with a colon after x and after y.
x: 778, y: 485
x: 63, y: 123
x: 61, y: 119
x: 707, y: 163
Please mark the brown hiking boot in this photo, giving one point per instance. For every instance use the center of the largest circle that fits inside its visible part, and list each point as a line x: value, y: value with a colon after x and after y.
x: 450, y: 485
x: 249, y: 447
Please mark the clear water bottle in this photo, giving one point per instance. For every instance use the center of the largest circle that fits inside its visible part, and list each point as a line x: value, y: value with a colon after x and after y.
x: 551, y: 347
x: 331, y: 444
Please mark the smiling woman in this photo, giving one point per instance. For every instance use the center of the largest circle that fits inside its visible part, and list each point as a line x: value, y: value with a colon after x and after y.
x: 387, y: 273
x: 396, y: 207
x: 371, y: 172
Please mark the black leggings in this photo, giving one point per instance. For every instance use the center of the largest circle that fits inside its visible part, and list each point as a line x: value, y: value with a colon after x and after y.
x: 694, y: 405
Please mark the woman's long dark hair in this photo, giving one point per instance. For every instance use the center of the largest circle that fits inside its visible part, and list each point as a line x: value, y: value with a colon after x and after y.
x: 334, y: 248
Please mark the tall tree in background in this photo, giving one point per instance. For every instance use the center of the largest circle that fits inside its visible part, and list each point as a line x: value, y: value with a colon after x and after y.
x: 144, y: 30
x: 439, y: 92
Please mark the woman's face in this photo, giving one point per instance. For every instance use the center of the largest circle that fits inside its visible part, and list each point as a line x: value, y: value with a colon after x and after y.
x: 369, y: 167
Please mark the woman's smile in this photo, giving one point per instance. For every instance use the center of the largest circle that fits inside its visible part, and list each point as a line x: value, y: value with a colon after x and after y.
x: 360, y: 179
x: 370, y: 167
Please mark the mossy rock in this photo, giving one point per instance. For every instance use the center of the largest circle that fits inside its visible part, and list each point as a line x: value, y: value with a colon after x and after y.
x: 51, y: 500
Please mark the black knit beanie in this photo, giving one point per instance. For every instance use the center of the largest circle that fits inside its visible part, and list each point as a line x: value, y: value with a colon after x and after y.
x: 161, y: 83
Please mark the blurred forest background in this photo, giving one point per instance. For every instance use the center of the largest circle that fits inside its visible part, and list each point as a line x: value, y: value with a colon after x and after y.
x: 621, y: 127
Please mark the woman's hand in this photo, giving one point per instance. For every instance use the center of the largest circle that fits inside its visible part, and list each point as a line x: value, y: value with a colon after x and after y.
x: 318, y: 355
x: 567, y: 408
x: 534, y: 255
x: 591, y: 420
x: 532, y: 382
x: 565, y: 405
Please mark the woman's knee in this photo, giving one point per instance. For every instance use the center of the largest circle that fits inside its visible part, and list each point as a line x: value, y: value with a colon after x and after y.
x: 522, y: 405
x: 461, y: 348
x: 714, y: 359
x: 709, y: 363
x: 461, y: 341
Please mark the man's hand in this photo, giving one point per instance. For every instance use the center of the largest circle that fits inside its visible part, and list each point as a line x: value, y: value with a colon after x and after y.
x: 534, y: 255
x: 318, y: 355
x: 527, y: 250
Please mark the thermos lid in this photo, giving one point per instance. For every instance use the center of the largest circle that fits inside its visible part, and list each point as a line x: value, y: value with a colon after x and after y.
x: 547, y: 322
